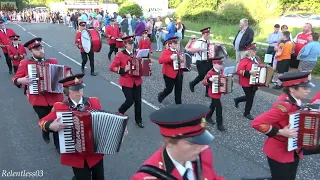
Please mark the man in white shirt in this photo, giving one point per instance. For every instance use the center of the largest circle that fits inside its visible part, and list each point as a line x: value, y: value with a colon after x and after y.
x: 186, y: 154
x: 200, y: 51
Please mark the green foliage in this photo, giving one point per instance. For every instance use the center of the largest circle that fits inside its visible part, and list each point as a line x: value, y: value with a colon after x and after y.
x: 174, y: 3
x: 316, y: 69
x: 130, y: 8
x: 232, y: 12
x: 195, y: 7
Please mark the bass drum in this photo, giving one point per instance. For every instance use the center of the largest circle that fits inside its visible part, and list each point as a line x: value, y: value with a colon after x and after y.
x: 91, y: 40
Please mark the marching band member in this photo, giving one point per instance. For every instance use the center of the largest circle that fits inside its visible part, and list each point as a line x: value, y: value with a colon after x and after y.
x: 275, y: 124
x: 5, y: 41
x: 145, y: 42
x: 84, y: 55
x: 165, y: 44
x: 203, y: 65
x: 112, y: 32
x: 186, y: 154
x: 42, y: 104
x: 131, y: 85
x: 172, y: 78
x: 244, y: 71
x: 16, y: 52
x: 215, y: 97
x: 316, y: 97
x: 84, y: 167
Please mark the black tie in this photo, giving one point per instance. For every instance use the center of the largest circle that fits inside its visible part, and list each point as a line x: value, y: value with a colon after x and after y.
x: 185, y: 175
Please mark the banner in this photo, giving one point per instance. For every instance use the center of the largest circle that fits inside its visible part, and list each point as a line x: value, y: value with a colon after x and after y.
x: 8, y: 5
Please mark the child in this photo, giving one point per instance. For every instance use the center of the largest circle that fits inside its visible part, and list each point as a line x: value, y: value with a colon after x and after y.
x: 16, y: 52
x: 145, y: 42
x: 215, y: 97
x: 283, y: 56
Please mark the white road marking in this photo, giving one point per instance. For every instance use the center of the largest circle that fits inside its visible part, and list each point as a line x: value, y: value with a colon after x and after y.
x: 20, y: 26
x: 32, y: 34
x: 143, y: 100
x: 71, y: 59
x: 46, y: 44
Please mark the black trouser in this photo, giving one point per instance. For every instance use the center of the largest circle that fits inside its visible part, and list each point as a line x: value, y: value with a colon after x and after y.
x: 170, y: 84
x: 15, y: 69
x: 84, y: 57
x: 249, y: 96
x: 270, y: 50
x: 113, y: 48
x: 284, y: 171
x: 96, y: 172
x: 203, y: 68
x: 8, y: 61
x: 216, y: 105
x: 133, y: 95
x: 43, y: 111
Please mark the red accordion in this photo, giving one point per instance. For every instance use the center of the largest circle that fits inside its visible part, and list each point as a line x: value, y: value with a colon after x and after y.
x: 46, y: 78
x: 308, y: 124
x: 222, y: 84
x: 139, y: 66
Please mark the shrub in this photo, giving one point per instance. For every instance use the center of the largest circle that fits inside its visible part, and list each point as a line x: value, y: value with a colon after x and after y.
x: 174, y: 3
x: 233, y: 12
x: 191, y: 7
x: 130, y: 8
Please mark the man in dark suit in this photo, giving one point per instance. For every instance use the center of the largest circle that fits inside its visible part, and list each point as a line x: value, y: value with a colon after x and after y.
x: 243, y: 39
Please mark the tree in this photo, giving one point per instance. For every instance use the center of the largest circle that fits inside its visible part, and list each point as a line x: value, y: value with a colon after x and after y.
x: 130, y: 8
x: 174, y: 3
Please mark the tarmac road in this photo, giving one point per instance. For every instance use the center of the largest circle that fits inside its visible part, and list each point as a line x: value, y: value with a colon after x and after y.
x: 237, y: 152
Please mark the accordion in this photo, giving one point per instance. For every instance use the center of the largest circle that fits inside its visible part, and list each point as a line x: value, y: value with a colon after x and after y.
x: 308, y: 124
x: 259, y: 78
x: 46, y: 77
x: 210, y: 53
x: 139, y: 66
x: 222, y: 84
x: 91, y: 132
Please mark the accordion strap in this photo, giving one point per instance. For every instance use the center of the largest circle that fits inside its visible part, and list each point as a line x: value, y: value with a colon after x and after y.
x: 156, y: 172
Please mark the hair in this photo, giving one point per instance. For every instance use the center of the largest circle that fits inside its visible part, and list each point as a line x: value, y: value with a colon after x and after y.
x: 309, y: 25
x: 170, y: 140
x: 249, y: 52
x: 286, y: 34
x: 245, y: 21
x: 160, y: 18
x: 315, y: 36
x: 286, y: 90
x: 66, y: 91
x: 284, y: 26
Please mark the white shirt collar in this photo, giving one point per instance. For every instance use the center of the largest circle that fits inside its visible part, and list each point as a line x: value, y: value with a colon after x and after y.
x: 181, y: 169
x: 299, y: 102
x: 128, y: 52
x: 217, y: 70
x: 173, y: 49
x: 80, y: 102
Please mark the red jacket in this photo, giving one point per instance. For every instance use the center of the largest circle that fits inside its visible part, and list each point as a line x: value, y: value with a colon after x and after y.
x: 206, y: 82
x: 167, y: 67
x: 15, y: 54
x: 112, y: 32
x: 78, y: 41
x: 245, y: 64
x: 4, y: 38
x: 317, y: 96
x: 68, y: 159
x: 37, y: 99
x: 278, y: 116
x: 145, y: 44
x: 161, y: 160
x: 119, y: 62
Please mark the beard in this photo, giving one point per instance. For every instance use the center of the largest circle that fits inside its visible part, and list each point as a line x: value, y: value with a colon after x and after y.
x: 39, y: 56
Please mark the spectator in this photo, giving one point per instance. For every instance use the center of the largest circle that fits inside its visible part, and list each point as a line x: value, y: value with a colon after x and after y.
x: 169, y: 32
x: 273, y: 40
x: 158, y: 28
x: 308, y: 55
x: 134, y: 23
x: 129, y: 25
x: 139, y: 30
x: 285, y: 28
x: 189, y: 45
x: 300, y: 41
x: 178, y: 30
x: 124, y: 25
x: 243, y: 39
x: 149, y: 27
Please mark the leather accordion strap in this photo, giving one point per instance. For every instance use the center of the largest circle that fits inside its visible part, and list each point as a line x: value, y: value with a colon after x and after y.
x: 156, y: 172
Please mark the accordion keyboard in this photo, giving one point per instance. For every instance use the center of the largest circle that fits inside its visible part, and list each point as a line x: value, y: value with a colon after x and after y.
x: 215, y: 84
x: 67, y: 144
x: 32, y: 72
x: 294, y: 124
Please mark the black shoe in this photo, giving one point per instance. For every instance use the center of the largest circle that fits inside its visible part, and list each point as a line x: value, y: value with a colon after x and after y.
x: 74, y: 178
x: 277, y: 87
x: 159, y: 98
x: 140, y: 125
x: 58, y: 150
x: 221, y: 128
x: 10, y: 72
x: 206, y: 95
x: 236, y: 103
x: 46, y: 137
x: 82, y: 70
x: 248, y: 116
x: 191, y: 87
x: 209, y: 120
x: 109, y: 57
x: 93, y: 74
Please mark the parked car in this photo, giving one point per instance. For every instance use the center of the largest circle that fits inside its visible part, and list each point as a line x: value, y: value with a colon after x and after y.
x: 292, y: 20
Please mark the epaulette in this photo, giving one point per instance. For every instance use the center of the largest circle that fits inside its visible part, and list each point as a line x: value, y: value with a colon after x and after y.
x: 57, y: 103
x: 94, y: 98
x: 149, y: 177
x: 281, y: 107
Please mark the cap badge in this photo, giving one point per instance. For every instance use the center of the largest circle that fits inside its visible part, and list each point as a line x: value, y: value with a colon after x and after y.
x: 131, y: 38
x: 36, y: 41
x: 203, y: 122
x: 76, y: 80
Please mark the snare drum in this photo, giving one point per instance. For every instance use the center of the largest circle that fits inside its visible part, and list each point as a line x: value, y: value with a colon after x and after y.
x: 91, y: 40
